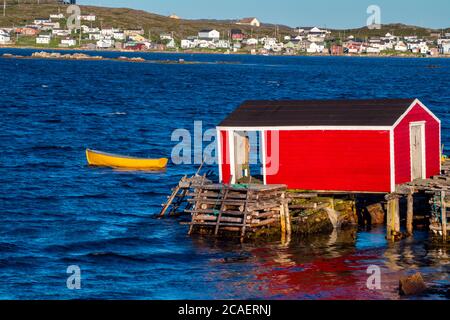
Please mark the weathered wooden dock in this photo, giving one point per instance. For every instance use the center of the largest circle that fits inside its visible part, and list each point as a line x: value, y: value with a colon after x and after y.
x: 241, y: 208
x: 217, y: 208
x: 438, y: 189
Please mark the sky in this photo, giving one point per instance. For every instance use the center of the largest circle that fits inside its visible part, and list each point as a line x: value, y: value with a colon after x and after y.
x: 340, y: 14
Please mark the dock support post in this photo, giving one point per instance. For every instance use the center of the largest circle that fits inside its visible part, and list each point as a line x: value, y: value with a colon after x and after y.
x: 393, y: 216
x: 288, y: 219
x: 283, y: 223
x: 410, y: 213
x: 285, y: 220
x: 443, y: 216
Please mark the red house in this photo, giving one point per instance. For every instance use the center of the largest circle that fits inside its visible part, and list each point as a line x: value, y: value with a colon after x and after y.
x: 237, y: 35
x: 342, y: 145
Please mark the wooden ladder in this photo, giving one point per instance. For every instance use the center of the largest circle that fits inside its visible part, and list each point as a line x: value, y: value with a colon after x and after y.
x: 182, y: 186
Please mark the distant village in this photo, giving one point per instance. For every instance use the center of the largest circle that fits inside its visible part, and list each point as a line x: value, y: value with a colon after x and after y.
x: 52, y: 32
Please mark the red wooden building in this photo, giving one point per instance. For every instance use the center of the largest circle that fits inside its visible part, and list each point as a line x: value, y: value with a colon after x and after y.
x: 343, y: 145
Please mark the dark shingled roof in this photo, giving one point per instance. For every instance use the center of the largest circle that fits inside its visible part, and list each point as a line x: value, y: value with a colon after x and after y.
x: 260, y: 113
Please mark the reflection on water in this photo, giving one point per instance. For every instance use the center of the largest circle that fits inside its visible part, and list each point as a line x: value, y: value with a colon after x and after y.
x: 329, y: 267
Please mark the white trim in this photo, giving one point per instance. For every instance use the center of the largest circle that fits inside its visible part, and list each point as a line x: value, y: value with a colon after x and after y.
x: 263, y: 155
x: 219, y: 154
x: 308, y: 128
x: 423, y: 151
x: 392, y: 159
x: 231, y: 151
x: 415, y: 102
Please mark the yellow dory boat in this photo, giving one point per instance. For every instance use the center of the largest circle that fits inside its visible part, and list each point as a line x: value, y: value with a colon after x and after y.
x: 98, y: 158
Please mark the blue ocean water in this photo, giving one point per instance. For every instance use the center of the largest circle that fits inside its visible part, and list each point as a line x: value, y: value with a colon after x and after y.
x: 56, y: 211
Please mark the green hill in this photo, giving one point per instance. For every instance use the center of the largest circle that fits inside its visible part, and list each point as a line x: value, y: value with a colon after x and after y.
x: 25, y: 12
x: 21, y: 14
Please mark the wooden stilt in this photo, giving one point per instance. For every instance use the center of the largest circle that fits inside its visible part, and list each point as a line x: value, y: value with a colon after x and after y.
x: 443, y: 216
x: 397, y: 215
x: 288, y: 220
x: 283, y: 223
x: 393, y: 217
x: 410, y: 214
x: 287, y: 216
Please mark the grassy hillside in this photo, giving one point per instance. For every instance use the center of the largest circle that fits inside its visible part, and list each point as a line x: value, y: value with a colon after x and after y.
x: 20, y: 14
x: 396, y: 29
x: 23, y: 13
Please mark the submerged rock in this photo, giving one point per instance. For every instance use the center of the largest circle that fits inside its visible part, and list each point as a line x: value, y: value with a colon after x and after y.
x: 412, y: 285
x: 376, y: 213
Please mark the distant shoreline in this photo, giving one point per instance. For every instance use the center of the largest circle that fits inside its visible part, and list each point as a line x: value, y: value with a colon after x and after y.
x: 223, y: 53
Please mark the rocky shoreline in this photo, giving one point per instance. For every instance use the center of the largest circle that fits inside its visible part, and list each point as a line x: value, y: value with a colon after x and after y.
x: 74, y: 56
x: 83, y: 56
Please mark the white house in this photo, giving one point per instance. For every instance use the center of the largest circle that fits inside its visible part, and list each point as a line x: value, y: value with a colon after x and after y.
x: 105, y: 43
x: 278, y: 47
x: 51, y: 25
x: 249, y: 22
x: 95, y: 36
x: 171, y: 44
x: 40, y: 21
x: 88, y: 17
x: 60, y: 32
x: 118, y: 35
x: 68, y: 42
x: 389, y: 36
x: 165, y: 36
x: 4, y: 37
x: 223, y: 44
x: 251, y: 41
x: 109, y: 31
x: 187, y: 44
x: 57, y: 16
x: 209, y: 34
x: 445, y: 48
x: 205, y: 44
x: 87, y: 29
x: 401, y: 46
x: 373, y: 49
x: 315, y: 47
x: 43, y: 39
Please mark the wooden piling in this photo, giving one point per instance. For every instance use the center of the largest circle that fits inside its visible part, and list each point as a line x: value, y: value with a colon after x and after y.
x: 410, y: 213
x: 443, y: 216
x: 286, y: 214
x: 393, y: 216
x: 283, y: 223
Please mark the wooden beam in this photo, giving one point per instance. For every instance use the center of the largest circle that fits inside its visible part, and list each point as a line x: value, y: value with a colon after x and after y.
x: 443, y: 216
x: 393, y: 217
x: 283, y: 223
x: 410, y: 214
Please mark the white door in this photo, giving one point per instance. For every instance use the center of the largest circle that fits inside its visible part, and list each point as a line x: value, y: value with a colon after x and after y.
x: 241, y: 155
x: 417, y: 135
